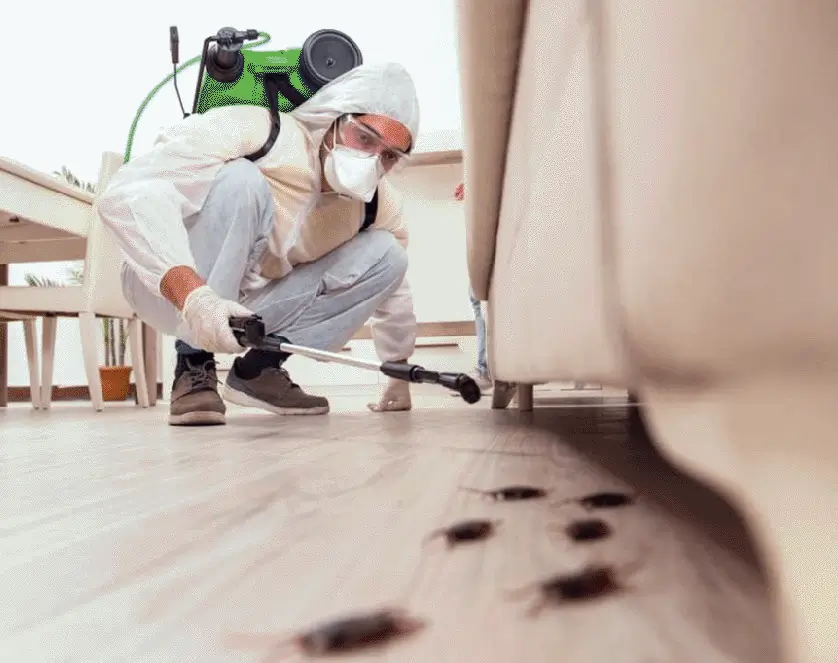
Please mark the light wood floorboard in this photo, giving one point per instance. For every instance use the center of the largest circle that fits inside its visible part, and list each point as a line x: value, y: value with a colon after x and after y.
x: 123, y: 539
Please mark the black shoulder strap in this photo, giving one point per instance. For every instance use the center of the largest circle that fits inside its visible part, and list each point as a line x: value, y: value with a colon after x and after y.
x: 274, y: 84
x: 288, y: 91
x: 262, y: 151
x: 370, y: 212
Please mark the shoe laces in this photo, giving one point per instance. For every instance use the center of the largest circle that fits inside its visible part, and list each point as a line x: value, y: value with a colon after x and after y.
x: 284, y: 373
x: 203, y: 376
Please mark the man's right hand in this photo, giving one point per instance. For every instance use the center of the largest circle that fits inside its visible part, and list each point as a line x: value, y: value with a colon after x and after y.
x: 206, y: 317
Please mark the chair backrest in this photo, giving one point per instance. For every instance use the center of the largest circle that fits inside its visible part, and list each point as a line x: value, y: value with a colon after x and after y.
x: 102, y: 281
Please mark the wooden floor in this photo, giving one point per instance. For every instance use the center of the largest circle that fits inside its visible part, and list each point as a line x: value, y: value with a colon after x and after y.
x: 122, y: 539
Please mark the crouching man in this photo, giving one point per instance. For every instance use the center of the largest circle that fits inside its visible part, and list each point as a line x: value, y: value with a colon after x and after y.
x: 308, y: 235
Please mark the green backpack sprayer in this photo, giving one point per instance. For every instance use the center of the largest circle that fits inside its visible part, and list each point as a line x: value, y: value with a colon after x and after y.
x: 232, y: 73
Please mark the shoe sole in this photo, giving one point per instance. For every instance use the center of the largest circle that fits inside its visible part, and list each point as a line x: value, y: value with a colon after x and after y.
x: 200, y: 418
x: 240, y: 398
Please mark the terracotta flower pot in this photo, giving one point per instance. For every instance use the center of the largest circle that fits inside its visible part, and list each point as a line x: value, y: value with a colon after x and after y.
x: 116, y: 382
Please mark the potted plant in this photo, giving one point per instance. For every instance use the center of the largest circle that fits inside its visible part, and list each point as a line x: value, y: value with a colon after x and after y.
x: 114, y: 374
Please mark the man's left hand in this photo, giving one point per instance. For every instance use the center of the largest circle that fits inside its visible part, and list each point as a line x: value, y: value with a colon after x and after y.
x: 394, y: 398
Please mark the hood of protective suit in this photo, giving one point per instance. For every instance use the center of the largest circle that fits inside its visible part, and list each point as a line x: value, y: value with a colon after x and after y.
x: 377, y: 89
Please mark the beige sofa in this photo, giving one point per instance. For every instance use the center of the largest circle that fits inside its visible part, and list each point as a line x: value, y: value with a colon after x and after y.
x: 652, y: 205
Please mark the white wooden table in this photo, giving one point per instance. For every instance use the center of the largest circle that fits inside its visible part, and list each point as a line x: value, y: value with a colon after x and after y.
x: 43, y: 220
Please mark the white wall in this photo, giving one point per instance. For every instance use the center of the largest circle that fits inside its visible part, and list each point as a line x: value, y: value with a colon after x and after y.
x: 437, y: 271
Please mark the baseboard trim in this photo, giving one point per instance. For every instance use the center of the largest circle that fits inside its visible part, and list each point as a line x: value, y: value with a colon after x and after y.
x: 428, y: 330
x: 68, y: 393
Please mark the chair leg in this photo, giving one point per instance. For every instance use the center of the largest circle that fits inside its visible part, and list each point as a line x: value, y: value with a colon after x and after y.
x: 50, y: 325
x: 30, y: 336
x: 135, y: 339
x: 525, y: 397
x: 90, y: 350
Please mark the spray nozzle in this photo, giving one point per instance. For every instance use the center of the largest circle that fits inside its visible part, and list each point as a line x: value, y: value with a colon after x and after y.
x: 174, y: 42
x: 233, y: 37
x: 225, y: 62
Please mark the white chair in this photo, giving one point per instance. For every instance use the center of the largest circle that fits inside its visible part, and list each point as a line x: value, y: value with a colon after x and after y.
x: 30, y: 336
x: 100, y: 295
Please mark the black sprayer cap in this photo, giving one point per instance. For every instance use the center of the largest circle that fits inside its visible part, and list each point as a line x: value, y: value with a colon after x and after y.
x: 326, y: 55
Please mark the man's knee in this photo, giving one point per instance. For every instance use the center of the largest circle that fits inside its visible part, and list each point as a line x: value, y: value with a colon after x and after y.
x: 244, y: 172
x: 242, y: 178
x: 393, y: 262
x: 240, y: 196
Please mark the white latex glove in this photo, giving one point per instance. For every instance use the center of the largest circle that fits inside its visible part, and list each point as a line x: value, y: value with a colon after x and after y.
x: 206, y: 318
x: 394, y: 398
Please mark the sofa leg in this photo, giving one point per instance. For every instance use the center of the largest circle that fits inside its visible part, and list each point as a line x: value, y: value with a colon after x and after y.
x: 525, y: 397
x: 770, y: 447
x: 635, y: 416
x: 503, y: 394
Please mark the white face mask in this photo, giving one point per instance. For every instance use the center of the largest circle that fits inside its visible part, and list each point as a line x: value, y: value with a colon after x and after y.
x: 352, y: 173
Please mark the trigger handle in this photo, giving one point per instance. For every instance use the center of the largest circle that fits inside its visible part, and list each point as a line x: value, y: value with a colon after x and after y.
x: 249, y: 331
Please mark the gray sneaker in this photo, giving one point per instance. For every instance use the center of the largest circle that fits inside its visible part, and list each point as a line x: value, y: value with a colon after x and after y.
x: 274, y: 391
x: 195, y: 400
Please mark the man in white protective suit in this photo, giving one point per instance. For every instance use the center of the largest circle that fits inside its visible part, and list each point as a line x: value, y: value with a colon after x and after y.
x: 308, y: 235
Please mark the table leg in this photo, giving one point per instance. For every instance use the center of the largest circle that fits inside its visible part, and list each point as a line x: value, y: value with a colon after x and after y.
x: 150, y: 356
x: 4, y: 347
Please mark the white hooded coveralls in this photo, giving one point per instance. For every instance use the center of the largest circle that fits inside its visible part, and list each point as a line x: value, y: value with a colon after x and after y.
x: 150, y: 196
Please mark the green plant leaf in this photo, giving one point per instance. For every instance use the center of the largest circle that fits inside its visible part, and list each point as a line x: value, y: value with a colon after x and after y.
x: 68, y: 177
x: 75, y: 273
x: 37, y: 281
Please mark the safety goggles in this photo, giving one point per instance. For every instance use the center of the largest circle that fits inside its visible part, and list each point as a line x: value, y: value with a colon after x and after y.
x: 358, y: 136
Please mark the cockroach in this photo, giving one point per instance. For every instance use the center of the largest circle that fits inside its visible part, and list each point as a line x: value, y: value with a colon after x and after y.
x: 590, y: 583
x: 465, y: 531
x: 356, y: 632
x: 592, y: 529
x: 605, y: 500
x: 511, y: 493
